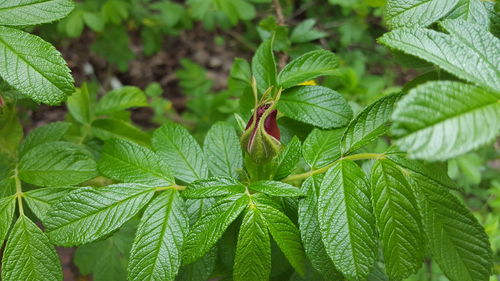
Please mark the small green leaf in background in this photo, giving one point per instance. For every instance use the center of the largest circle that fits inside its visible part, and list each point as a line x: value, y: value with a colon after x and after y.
x: 276, y: 188
x: 264, y: 66
x: 181, y: 151
x: 34, y: 67
x: 109, y: 128
x: 398, y: 220
x: 30, y: 12
x: 80, y: 105
x: 57, y: 164
x: 399, y: 13
x: 94, y: 21
x: 87, y: 214
x: 346, y: 220
x: 213, y: 187
x: 369, y: 124
x: 322, y: 147
x: 128, y: 162
x: 288, y: 158
x: 253, y: 251
x: 121, y: 99
x: 440, y: 120
x: 223, y: 150
x: 305, y: 32
x: 29, y: 254
x: 156, y: 252
x: 11, y: 131
x: 40, y: 200
x: 7, y: 207
x: 47, y: 133
x: 315, y: 105
x: 307, y: 67
x: 209, y: 228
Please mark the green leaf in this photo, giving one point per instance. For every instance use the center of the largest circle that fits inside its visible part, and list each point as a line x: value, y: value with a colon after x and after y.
x: 276, y: 188
x: 285, y: 233
x: 121, y: 99
x: 456, y: 240
x: 473, y: 11
x: 30, y: 12
x: 209, y: 228
x: 453, y: 54
x: 156, y: 252
x: 11, y: 131
x: 264, y: 66
x: 253, y: 250
x: 40, y: 200
x: 440, y: 120
x: 80, y: 105
x: 184, y: 155
x: 223, y: 150
x: 29, y: 255
x: 87, y: 214
x: 128, y: 162
x: 369, y: 124
x: 315, y: 105
x: 213, y: 187
x: 322, y: 147
x: 7, y: 207
x: 310, y: 231
x: 398, y: 220
x: 307, y: 67
x: 346, y: 220
x: 33, y: 67
x: 287, y: 159
x: 109, y: 128
x: 305, y: 32
x: 399, y: 13
x: 57, y: 164
x: 47, y: 133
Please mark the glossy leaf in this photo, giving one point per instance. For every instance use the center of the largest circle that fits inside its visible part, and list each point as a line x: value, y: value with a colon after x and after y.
x: 156, y: 252
x: 33, y: 67
x: 213, y: 187
x: 346, y: 220
x: 181, y: 151
x: 440, y: 120
x: 399, y: 13
x: 29, y: 255
x: 322, y: 147
x: 264, y: 66
x: 128, y: 162
x: 276, y: 188
x: 315, y: 105
x: 307, y: 67
x: 30, y: 12
x: 87, y: 214
x: 223, y: 150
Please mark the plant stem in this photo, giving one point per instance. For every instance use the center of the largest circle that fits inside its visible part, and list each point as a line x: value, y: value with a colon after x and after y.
x: 19, y: 191
x: 174, y: 186
x: 354, y: 157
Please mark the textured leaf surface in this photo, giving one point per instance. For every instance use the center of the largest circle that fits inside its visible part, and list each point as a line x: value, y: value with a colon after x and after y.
x: 40, y: 200
x: 156, y: 252
x: 286, y: 235
x: 87, y: 214
x: 457, y: 241
x: 288, y: 158
x: 451, y: 53
x: 81, y: 105
x: 29, y: 12
x: 128, y: 162
x: 264, y: 66
x: 310, y: 232
x: 213, y: 187
x: 346, y: 220
x: 253, y: 250
x: 322, y: 147
x: 473, y: 11
x: 7, y: 207
x: 57, y: 164
x: 223, y: 150
x: 276, y: 188
x: 47, y: 133
x: 399, y: 13
x: 440, y: 120
x: 398, y: 220
x: 315, y: 105
x: 369, y: 124
x: 307, y: 67
x: 109, y: 128
x: 181, y: 151
x: 33, y: 67
x: 121, y: 99
x: 209, y: 228
x: 29, y: 255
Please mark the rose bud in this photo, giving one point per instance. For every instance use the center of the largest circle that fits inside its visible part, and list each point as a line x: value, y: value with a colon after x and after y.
x: 261, y: 138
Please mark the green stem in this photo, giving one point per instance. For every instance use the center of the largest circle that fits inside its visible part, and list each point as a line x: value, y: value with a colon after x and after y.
x: 354, y: 157
x: 174, y: 186
x: 19, y: 191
